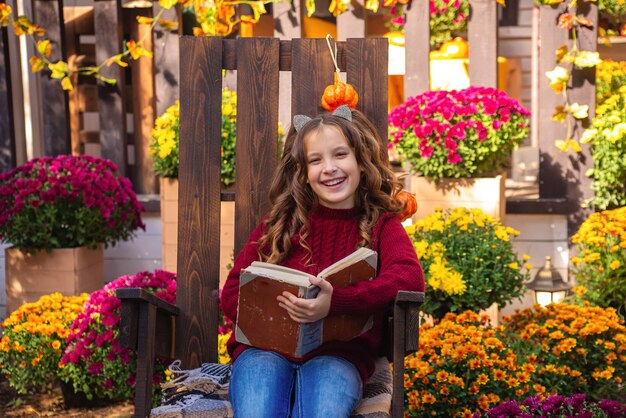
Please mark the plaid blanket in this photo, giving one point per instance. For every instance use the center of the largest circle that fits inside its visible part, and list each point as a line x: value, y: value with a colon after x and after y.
x: 203, y: 393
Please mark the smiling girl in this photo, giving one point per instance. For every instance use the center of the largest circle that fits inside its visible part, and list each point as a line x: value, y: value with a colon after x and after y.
x: 333, y: 192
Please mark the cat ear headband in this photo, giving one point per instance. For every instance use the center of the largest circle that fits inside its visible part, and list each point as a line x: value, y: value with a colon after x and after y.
x: 342, y: 111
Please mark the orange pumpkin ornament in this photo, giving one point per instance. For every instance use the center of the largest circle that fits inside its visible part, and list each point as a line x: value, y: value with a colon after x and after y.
x: 410, y: 205
x: 339, y: 93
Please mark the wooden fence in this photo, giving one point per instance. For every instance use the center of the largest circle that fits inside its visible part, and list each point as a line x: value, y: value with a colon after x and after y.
x: 99, y: 30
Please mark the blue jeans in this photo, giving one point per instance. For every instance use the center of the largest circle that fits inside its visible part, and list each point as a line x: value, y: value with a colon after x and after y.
x: 265, y: 384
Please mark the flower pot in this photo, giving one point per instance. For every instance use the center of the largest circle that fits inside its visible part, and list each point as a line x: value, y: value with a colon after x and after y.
x: 486, y: 193
x: 73, y: 399
x: 70, y: 271
x: 169, y: 221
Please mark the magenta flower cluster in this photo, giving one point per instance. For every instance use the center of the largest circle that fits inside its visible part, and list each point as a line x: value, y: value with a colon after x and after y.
x: 93, y: 361
x: 459, y: 134
x: 557, y: 406
x: 65, y: 202
x: 448, y: 18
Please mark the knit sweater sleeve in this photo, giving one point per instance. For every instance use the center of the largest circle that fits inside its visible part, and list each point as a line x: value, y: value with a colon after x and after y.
x: 398, y: 269
x: 230, y: 293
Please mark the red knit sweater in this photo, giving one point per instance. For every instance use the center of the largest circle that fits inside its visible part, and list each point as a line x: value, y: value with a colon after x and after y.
x: 334, y: 234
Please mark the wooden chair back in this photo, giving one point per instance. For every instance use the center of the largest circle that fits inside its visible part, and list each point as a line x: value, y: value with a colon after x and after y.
x: 258, y: 62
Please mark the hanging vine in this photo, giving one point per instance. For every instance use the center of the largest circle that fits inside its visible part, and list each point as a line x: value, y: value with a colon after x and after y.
x: 215, y: 18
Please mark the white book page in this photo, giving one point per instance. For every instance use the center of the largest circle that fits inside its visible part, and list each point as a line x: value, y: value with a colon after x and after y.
x: 359, y: 254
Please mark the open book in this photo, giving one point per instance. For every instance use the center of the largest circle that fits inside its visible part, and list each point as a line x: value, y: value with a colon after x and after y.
x: 263, y: 324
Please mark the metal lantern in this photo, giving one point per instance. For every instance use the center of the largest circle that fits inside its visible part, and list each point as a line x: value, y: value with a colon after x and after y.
x: 548, y: 285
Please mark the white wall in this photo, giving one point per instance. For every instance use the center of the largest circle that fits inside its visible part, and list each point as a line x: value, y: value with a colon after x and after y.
x: 540, y: 236
x: 142, y: 253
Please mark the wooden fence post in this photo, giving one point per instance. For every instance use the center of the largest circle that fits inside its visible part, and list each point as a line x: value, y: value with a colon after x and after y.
x: 54, y: 100
x: 166, y: 61
x: 111, y: 107
x: 482, y: 37
x: 7, y: 135
x: 417, y: 48
x: 142, y: 76
x: 287, y: 25
x: 353, y: 22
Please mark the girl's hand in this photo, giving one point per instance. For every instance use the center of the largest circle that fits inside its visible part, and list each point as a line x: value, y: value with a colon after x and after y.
x: 308, y: 310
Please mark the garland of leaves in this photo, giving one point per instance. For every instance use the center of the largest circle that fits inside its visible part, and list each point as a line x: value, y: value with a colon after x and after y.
x: 568, y: 61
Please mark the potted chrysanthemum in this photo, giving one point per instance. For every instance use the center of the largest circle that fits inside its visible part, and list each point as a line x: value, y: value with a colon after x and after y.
x: 94, y: 366
x: 58, y: 213
x: 467, y: 134
x: 33, y: 340
x: 468, y: 261
x: 600, y: 264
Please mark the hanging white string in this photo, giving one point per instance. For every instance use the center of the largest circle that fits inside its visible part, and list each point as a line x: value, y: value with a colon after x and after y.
x: 333, y: 55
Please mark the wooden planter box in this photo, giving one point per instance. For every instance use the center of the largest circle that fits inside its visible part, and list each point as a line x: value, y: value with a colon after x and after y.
x: 485, y: 193
x: 70, y: 271
x: 169, y: 220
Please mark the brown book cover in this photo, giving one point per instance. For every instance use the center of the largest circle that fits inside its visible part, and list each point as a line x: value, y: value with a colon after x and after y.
x: 263, y: 324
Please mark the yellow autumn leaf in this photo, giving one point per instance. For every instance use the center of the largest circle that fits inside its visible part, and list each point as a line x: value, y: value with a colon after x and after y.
x: 586, y: 59
x: 372, y: 5
x: 560, y: 53
x: 59, y: 69
x: 588, y: 135
x: 36, y: 63
x: 5, y: 14
x: 145, y: 20
x: 569, y: 143
x: 561, y: 145
x: 167, y: 4
x: 579, y: 111
x: 575, y: 146
x: 258, y: 9
x: 44, y: 47
x: 310, y: 7
x: 559, y: 114
x: 66, y: 83
x: 137, y: 51
x: 117, y: 59
x: 168, y: 24
x: 558, y: 78
x: 337, y: 7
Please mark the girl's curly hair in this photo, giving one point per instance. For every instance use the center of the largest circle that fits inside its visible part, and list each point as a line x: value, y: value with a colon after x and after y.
x: 292, y: 197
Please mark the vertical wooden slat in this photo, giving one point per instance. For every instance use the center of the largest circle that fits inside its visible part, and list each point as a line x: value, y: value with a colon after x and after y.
x: 54, y: 100
x: 287, y: 25
x: 166, y: 67
x: 199, y: 199
x: 257, y: 127
x: 352, y: 23
x: 584, y: 92
x: 112, y: 112
x: 145, y: 354
x: 370, y: 80
x: 142, y: 72
x: 417, y: 48
x: 312, y: 70
x: 7, y: 135
x: 510, y: 12
x: 552, y: 163
x: 71, y: 45
x: 482, y: 34
x: 17, y: 93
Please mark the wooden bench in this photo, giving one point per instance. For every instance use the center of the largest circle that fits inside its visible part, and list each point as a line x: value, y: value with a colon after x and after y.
x: 145, y: 325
